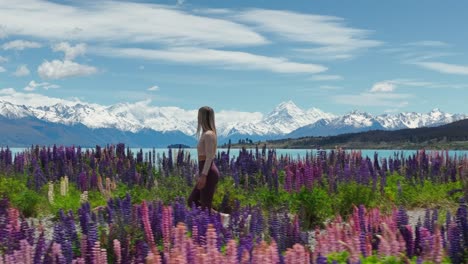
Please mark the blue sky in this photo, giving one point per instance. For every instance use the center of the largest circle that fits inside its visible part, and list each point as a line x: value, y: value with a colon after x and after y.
x: 374, y: 56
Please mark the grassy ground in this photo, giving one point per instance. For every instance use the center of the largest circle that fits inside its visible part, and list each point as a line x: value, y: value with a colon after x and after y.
x: 314, y: 206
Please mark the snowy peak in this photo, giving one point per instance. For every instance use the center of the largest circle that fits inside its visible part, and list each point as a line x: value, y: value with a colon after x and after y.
x: 285, y: 110
x: 288, y: 106
x: 414, y: 120
x: 285, y: 118
x: 12, y: 111
x: 356, y: 119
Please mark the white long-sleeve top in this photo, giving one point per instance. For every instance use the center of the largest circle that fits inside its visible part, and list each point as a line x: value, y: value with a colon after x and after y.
x: 207, y: 147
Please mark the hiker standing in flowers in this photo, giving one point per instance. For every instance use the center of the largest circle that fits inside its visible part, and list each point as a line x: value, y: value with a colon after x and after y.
x: 208, y: 174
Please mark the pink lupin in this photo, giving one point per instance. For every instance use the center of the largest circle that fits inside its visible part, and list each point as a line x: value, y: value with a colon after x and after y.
x: 245, y: 257
x: 78, y: 261
x: 167, y: 227
x: 13, y: 215
x: 57, y: 251
x: 273, y: 252
x: 84, y: 245
x: 147, y: 227
x: 195, y: 233
x: 231, y: 252
x: 117, y: 251
x: 438, y: 248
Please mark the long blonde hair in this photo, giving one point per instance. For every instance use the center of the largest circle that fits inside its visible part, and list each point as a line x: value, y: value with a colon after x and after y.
x: 206, y: 120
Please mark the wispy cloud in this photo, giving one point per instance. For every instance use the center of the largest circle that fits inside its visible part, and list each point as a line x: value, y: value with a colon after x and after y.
x: 428, y: 43
x: 2, y: 69
x: 58, y: 69
x: 374, y: 99
x: 412, y: 57
x: 21, y: 44
x: 394, y: 84
x: 22, y: 71
x: 153, y: 88
x: 104, y: 21
x: 427, y: 84
x: 222, y: 58
x: 329, y: 35
x: 3, y: 59
x: 325, y: 77
x: 385, y: 87
x: 33, y: 85
x: 443, y: 67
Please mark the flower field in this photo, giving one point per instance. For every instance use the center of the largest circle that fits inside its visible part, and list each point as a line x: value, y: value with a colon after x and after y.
x: 110, y: 205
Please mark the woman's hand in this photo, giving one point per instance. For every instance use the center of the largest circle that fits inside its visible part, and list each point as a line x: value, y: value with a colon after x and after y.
x: 201, y: 182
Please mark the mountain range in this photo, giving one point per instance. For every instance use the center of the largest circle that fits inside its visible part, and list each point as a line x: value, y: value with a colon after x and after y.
x: 141, y: 126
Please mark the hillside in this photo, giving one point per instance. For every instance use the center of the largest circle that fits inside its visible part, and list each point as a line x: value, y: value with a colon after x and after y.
x: 28, y: 131
x: 453, y: 136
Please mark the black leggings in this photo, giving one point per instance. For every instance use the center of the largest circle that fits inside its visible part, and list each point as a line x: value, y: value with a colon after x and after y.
x: 204, y: 197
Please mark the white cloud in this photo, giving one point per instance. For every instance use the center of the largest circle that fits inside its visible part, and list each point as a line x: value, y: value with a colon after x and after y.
x: 428, y: 43
x: 45, y: 85
x: 3, y: 33
x: 231, y: 116
x: 7, y: 91
x: 180, y: 2
x: 214, y: 11
x: 444, y: 67
x: 32, y: 99
x: 71, y: 52
x: 104, y: 21
x: 2, y: 69
x: 3, y: 59
x: 325, y: 77
x: 374, y: 99
x: 21, y: 71
x: 227, y: 59
x: 427, y: 84
x: 385, y: 87
x: 153, y: 88
x: 334, y: 39
x: 21, y: 45
x: 58, y: 69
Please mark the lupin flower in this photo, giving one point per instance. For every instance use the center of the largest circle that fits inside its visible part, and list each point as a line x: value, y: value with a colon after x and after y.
x: 64, y: 186
x: 167, y: 225
x: 117, y: 251
x: 147, y: 227
x: 50, y: 193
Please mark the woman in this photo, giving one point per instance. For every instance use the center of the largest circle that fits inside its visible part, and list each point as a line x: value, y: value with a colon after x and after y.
x: 208, y: 175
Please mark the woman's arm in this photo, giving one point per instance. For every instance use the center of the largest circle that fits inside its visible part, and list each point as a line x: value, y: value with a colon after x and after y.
x: 210, y: 148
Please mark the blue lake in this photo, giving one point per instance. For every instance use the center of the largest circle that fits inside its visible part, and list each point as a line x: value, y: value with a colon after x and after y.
x: 293, y: 153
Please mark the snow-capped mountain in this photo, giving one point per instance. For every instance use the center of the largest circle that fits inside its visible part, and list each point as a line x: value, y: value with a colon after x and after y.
x: 414, y: 120
x: 354, y: 121
x: 12, y: 111
x: 285, y: 120
x: 287, y: 117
